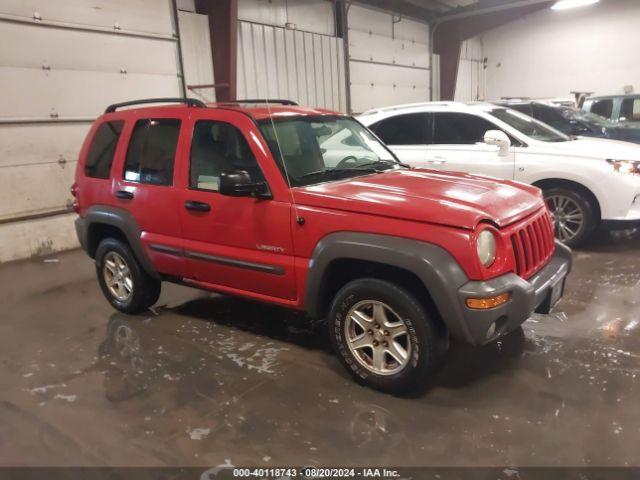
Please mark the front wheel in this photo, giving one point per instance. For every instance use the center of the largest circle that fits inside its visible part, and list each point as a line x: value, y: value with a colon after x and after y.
x: 383, y: 336
x: 572, y: 213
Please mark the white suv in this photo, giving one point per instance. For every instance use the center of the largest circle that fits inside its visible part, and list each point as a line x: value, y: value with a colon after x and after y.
x: 586, y: 181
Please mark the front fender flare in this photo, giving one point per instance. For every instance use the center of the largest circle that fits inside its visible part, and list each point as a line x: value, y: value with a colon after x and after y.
x: 435, y: 267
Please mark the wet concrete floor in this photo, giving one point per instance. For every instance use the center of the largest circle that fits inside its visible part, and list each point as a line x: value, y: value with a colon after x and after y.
x: 207, y: 379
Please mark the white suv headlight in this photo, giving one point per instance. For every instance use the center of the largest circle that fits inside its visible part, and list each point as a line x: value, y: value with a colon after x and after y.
x: 486, y: 247
x: 625, y: 166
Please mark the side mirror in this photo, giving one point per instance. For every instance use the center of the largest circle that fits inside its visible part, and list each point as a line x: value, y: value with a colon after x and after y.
x: 500, y: 139
x: 239, y: 184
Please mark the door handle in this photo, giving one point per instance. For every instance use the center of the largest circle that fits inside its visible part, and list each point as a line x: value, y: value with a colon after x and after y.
x: 197, y: 206
x: 124, y: 194
x: 437, y: 160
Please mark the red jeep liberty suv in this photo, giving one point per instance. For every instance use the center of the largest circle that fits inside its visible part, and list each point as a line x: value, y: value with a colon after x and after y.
x: 307, y: 209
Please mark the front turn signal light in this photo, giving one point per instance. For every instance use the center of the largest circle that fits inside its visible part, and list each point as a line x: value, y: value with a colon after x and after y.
x: 487, y: 303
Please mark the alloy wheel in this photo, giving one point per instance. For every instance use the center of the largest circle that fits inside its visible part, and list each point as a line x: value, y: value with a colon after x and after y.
x: 377, y: 337
x: 568, y: 217
x: 117, y: 276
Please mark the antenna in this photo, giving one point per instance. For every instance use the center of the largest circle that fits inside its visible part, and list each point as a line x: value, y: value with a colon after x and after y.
x: 299, y: 219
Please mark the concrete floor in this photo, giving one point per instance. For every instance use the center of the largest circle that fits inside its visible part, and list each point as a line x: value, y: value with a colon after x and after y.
x: 208, y: 380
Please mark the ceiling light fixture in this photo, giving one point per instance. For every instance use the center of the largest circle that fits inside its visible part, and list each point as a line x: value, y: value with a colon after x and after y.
x: 566, y: 4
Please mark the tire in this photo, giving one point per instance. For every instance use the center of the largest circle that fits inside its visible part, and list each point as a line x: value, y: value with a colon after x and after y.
x: 575, y: 206
x: 136, y: 290
x: 421, y: 342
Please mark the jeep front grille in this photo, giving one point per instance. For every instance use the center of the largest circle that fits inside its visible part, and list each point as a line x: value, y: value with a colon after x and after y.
x: 533, y: 244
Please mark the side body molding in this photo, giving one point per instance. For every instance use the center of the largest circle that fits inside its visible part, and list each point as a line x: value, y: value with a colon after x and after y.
x: 123, y: 221
x: 434, y: 266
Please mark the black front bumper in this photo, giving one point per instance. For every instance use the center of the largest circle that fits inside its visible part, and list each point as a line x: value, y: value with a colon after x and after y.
x: 526, y: 297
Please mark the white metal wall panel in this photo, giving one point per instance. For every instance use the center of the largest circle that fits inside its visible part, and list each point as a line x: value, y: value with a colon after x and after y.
x: 30, y: 93
x: 316, y: 16
x: 197, y: 58
x: 374, y: 85
x: 471, y: 78
x: 65, y: 62
x: 305, y: 67
x: 37, y: 164
x: 135, y: 16
x: 38, y: 46
x: 372, y: 47
x: 389, y: 59
x: 435, y: 77
x: 37, y: 237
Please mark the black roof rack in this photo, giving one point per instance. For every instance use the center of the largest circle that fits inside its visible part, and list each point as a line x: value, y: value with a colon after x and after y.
x: 264, y: 100
x: 192, y: 102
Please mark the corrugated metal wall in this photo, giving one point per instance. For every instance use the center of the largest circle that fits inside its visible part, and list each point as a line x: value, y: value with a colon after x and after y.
x: 306, y: 67
x: 471, y: 80
x: 65, y: 61
x: 316, y: 16
x: 287, y: 49
x: 388, y: 59
x: 195, y: 43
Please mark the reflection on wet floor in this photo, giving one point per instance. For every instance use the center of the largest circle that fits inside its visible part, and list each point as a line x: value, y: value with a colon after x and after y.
x: 206, y: 380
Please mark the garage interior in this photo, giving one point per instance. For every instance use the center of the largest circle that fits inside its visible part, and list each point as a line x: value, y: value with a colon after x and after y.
x: 205, y: 380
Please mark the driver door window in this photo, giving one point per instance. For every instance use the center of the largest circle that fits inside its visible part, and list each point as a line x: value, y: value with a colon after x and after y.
x: 460, y: 129
x: 458, y: 145
x: 216, y: 148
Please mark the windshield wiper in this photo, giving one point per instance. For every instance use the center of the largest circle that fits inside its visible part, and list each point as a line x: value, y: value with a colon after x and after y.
x: 336, y: 172
x: 378, y: 162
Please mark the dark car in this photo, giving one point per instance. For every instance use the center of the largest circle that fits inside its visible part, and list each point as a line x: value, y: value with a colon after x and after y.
x: 573, y: 122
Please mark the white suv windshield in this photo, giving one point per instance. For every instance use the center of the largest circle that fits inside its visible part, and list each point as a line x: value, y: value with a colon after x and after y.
x: 529, y: 126
x: 324, y: 148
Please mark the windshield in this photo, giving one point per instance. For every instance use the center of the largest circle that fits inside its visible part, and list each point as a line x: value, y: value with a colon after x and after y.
x: 530, y: 127
x: 587, y: 117
x: 318, y: 149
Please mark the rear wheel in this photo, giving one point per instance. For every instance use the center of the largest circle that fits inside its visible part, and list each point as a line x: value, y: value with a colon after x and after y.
x: 573, y: 215
x: 383, y: 336
x: 123, y: 281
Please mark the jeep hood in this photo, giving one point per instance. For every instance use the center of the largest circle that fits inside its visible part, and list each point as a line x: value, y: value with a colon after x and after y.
x: 446, y: 198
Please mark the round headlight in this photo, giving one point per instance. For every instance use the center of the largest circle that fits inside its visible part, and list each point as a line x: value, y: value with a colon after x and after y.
x: 486, y: 247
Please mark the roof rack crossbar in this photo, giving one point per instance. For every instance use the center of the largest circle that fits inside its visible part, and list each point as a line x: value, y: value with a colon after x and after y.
x: 192, y: 102
x: 264, y: 100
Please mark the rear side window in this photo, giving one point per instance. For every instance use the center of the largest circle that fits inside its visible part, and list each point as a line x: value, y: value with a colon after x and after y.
x: 102, y: 150
x: 604, y: 108
x: 630, y: 111
x: 152, y: 150
x: 409, y: 129
x: 459, y: 128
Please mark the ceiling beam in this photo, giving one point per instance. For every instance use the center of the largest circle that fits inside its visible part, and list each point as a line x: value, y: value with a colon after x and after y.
x: 484, y: 7
x: 401, y: 7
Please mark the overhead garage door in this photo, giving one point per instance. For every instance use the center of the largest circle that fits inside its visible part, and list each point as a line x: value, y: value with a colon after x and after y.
x: 388, y: 59
x: 88, y: 55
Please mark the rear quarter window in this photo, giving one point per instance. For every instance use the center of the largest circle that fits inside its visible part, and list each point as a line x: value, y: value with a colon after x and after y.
x: 151, y: 153
x: 102, y: 149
